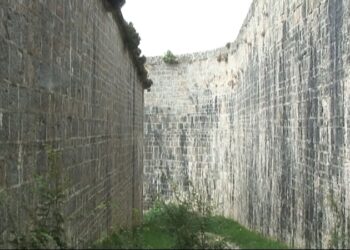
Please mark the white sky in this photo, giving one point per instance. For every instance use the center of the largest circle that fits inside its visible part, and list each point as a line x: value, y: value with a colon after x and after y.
x: 185, y: 26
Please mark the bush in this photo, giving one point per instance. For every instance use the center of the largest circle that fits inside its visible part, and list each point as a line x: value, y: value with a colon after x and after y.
x: 122, y: 240
x: 189, y: 227
x: 181, y: 225
x: 187, y: 219
x: 170, y: 58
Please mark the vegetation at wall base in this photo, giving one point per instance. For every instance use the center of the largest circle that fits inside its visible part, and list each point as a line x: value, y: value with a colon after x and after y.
x: 176, y: 226
x: 44, y: 228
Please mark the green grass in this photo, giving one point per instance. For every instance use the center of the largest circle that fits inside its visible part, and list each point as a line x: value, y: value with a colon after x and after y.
x: 156, y: 237
x: 244, y: 238
x: 161, y: 231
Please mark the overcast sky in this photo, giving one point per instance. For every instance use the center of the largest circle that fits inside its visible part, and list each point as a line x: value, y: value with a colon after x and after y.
x: 185, y: 26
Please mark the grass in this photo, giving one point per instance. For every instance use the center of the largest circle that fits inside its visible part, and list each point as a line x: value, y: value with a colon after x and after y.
x: 244, y: 238
x: 170, y: 226
x: 156, y: 237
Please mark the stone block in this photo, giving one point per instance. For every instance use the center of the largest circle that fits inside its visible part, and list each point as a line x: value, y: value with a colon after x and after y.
x: 11, y: 169
x: 29, y: 127
x: 42, y: 162
x: 3, y: 174
x: 4, y: 126
x: 12, y: 98
x: 16, y: 69
x: 29, y: 160
x: 4, y: 60
x: 15, y: 120
x: 4, y: 96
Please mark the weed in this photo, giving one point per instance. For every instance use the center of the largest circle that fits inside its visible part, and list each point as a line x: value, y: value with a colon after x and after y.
x: 45, y: 227
x: 188, y: 220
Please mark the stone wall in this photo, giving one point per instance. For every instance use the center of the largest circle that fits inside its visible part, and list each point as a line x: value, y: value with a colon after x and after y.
x: 260, y: 128
x: 68, y: 86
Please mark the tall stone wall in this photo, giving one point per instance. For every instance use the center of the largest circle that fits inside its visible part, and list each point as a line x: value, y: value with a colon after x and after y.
x: 68, y: 87
x: 260, y: 128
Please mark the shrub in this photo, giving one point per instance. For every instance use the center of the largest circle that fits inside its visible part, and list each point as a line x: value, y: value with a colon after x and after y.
x: 45, y: 227
x: 123, y: 239
x: 187, y: 219
x: 184, y: 224
x: 170, y: 58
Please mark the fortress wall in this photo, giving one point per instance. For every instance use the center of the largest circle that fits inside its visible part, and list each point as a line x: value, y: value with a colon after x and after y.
x: 264, y: 135
x: 69, y: 89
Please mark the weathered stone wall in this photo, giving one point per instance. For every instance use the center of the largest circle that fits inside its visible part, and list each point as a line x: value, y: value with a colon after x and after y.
x: 260, y: 127
x: 68, y: 85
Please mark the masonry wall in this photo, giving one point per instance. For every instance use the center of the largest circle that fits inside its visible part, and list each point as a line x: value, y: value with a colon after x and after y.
x: 68, y: 86
x: 260, y: 128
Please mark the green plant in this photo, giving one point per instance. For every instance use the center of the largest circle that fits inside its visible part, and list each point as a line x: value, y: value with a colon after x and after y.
x: 337, y: 236
x: 122, y: 239
x: 170, y: 225
x: 136, y: 217
x: 184, y: 223
x: 45, y: 227
x: 232, y: 231
x: 187, y: 219
x: 170, y: 58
